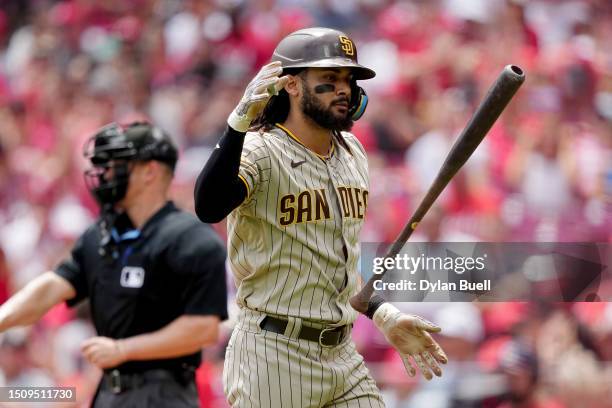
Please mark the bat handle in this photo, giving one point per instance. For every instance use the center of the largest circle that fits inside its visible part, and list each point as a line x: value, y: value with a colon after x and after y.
x: 361, y: 300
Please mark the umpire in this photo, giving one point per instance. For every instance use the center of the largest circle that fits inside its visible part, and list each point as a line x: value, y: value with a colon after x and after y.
x: 154, y: 275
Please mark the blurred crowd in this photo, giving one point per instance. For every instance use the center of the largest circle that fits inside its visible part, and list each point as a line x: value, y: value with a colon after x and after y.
x: 543, y: 173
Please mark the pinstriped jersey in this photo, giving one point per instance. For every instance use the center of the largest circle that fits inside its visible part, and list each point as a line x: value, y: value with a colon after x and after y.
x: 294, y: 242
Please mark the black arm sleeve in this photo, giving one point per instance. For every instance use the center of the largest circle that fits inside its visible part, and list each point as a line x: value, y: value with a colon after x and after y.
x: 218, y: 189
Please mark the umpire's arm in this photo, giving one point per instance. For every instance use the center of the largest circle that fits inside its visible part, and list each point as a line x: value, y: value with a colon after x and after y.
x: 185, y: 335
x: 66, y: 283
x: 29, y: 304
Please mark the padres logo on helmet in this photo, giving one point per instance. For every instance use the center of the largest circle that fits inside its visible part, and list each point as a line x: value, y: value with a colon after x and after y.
x: 347, y: 46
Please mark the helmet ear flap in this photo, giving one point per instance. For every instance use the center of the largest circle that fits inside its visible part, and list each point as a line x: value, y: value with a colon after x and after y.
x: 359, y: 101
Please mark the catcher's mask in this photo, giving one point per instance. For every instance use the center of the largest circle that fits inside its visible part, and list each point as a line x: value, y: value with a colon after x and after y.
x: 111, y: 150
x: 325, y: 48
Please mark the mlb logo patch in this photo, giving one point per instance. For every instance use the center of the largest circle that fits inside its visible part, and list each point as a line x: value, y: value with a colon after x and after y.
x: 132, y: 277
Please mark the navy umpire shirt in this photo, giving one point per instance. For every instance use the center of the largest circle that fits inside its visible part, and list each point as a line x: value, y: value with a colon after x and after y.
x: 174, y: 266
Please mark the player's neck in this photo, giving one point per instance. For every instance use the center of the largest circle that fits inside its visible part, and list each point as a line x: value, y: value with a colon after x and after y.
x: 313, y: 136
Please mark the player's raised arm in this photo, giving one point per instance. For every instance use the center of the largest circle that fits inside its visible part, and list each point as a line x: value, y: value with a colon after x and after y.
x: 219, y: 188
x: 29, y: 304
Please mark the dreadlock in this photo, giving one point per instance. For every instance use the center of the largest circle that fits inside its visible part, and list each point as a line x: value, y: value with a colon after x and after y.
x: 276, y: 110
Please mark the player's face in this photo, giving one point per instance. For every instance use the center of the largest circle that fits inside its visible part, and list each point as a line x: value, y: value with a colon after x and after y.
x: 326, y: 95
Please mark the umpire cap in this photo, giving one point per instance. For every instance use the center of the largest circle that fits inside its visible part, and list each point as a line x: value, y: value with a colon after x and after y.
x: 136, y: 141
x: 319, y: 47
x: 115, y: 145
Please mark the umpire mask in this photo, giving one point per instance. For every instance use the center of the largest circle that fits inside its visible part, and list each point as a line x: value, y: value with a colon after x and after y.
x: 111, y: 150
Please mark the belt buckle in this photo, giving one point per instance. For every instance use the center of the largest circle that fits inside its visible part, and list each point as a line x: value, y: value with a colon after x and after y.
x: 115, y: 381
x: 321, y: 337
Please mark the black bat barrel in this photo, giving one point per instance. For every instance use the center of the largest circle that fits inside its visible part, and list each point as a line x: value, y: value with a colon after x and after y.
x: 496, y: 100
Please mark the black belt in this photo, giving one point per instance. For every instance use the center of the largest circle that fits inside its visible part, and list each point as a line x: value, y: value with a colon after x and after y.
x: 118, y: 382
x: 328, y: 337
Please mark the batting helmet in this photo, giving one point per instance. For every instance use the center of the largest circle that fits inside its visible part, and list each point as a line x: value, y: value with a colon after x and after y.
x: 319, y: 47
x: 114, y: 146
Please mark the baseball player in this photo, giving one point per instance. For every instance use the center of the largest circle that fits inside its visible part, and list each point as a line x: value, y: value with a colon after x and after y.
x: 296, y: 191
x: 154, y: 276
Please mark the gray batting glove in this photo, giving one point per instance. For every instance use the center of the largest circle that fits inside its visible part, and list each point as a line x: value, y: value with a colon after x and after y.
x: 265, y: 84
x: 410, y: 336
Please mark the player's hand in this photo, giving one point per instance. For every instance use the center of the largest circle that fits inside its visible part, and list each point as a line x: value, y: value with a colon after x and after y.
x: 103, y: 352
x: 410, y: 335
x: 261, y: 88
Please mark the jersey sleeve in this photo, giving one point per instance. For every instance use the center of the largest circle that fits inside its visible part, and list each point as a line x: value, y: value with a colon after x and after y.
x: 198, y: 257
x: 254, y: 155
x: 72, y: 269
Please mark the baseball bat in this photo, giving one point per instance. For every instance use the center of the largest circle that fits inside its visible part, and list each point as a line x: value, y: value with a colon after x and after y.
x: 496, y: 100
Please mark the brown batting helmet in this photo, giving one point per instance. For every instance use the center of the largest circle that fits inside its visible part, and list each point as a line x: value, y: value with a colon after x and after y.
x: 319, y: 47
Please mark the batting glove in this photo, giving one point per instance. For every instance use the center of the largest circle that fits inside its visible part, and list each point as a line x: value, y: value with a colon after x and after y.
x: 410, y: 336
x: 265, y: 84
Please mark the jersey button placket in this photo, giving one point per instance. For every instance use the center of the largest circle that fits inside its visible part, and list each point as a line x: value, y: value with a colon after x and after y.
x: 333, y: 176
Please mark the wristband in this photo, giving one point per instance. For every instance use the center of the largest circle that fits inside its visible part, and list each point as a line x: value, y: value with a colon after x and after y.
x: 375, y: 302
x: 240, y: 123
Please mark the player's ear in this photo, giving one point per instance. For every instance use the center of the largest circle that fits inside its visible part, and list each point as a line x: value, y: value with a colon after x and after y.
x: 293, y: 86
